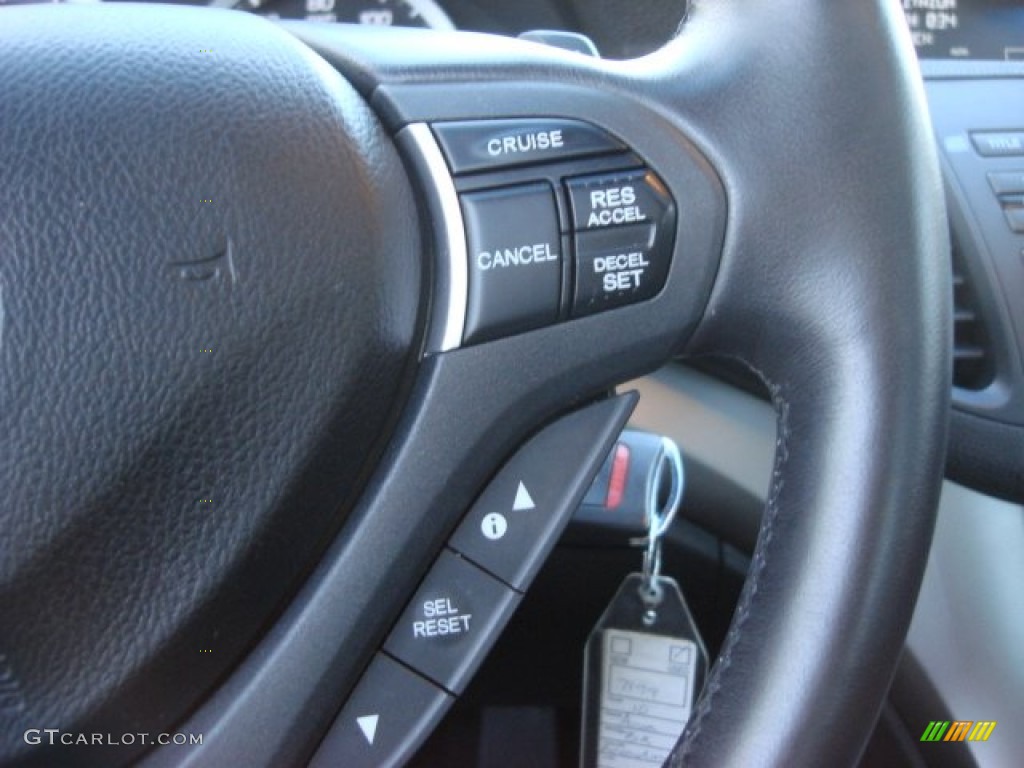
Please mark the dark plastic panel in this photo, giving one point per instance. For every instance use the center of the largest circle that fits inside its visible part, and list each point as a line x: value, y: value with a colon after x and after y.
x: 994, y: 253
x: 986, y: 448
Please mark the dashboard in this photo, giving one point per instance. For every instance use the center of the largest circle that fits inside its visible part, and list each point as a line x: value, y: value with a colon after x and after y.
x: 941, y: 29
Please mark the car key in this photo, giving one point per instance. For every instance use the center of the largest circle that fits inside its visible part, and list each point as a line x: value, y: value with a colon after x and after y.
x: 616, y: 504
x: 645, y: 662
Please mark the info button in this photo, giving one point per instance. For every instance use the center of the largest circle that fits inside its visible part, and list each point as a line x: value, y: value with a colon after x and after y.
x: 515, y: 260
x: 451, y: 623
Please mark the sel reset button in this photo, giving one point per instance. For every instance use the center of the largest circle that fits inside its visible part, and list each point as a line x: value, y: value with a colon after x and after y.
x: 451, y: 623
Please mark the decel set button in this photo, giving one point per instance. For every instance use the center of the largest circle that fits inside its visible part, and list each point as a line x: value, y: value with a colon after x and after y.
x: 617, y: 267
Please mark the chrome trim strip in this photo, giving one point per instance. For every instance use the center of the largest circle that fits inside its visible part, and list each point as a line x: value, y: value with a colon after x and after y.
x: 452, y: 286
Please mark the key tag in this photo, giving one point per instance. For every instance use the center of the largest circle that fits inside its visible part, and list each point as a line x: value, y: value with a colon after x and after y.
x: 645, y: 662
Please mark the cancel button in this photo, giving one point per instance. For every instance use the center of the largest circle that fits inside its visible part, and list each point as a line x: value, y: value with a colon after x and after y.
x: 515, y: 260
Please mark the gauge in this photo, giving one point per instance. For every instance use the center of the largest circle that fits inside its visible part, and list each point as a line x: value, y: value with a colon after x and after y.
x: 400, y: 13
x: 405, y: 13
x: 966, y: 29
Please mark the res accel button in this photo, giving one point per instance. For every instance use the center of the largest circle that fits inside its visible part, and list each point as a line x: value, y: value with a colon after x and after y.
x: 451, y: 623
x: 618, y: 199
x: 515, y: 260
x: 487, y: 144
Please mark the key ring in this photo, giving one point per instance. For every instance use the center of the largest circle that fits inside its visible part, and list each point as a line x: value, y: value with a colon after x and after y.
x: 658, y: 522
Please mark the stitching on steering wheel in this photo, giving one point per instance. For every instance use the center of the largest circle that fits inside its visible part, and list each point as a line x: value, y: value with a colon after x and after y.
x: 757, y: 566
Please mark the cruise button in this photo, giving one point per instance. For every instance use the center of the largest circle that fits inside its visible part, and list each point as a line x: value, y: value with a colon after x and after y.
x: 487, y: 144
x: 515, y: 260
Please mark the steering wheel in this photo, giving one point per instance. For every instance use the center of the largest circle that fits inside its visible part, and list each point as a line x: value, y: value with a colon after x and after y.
x: 243, y: 411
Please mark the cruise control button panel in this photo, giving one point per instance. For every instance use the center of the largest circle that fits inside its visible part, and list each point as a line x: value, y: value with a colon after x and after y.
x: 561, y: 220
x: 623, y: 245
x: 515, y: 260
x: 452, y: 621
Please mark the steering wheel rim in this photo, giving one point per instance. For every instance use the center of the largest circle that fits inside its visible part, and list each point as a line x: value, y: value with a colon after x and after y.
x: 779, y: 259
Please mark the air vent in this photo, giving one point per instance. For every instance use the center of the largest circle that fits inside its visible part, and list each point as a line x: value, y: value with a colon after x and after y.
x: 973, y: 367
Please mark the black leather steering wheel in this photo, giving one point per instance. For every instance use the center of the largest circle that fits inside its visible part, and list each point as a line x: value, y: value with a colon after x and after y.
x: 271, y: 351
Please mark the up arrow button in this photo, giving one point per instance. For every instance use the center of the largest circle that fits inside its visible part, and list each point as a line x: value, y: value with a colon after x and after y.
x: 523, y: 500
x: 544, y: 482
